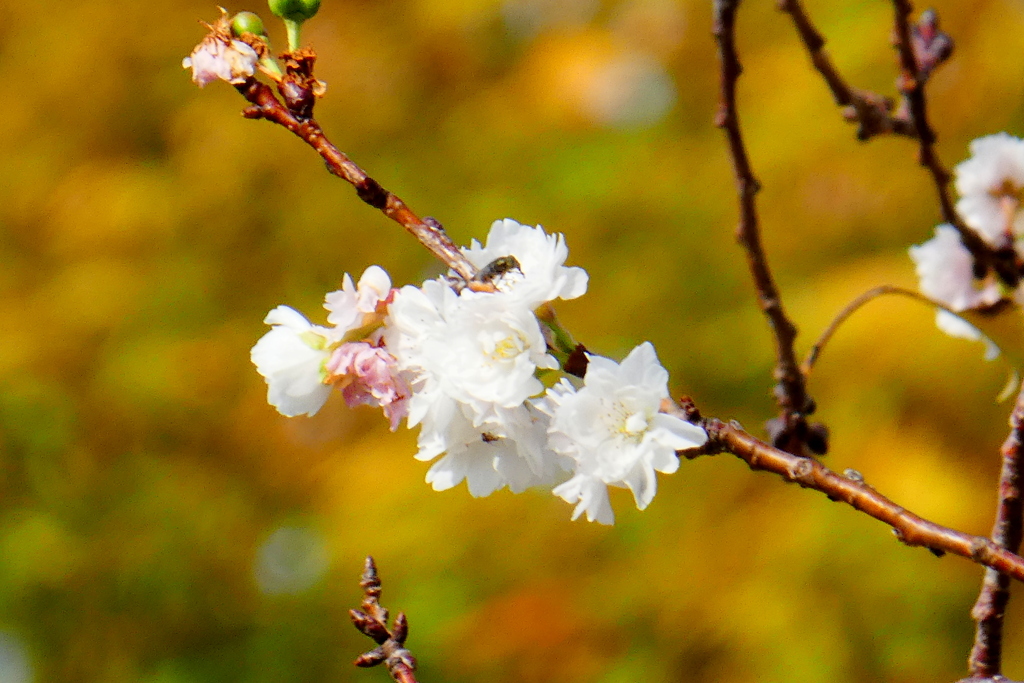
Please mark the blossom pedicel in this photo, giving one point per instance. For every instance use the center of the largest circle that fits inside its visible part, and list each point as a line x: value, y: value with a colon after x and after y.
x: 464, y: 366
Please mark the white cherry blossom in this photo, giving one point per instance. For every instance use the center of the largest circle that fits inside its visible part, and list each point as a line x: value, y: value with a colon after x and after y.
x: 945, y: 270
x: 353, y: 306
x: 480, y: 349
x: 991, y: 185
x: 291, y: 357
x: 512, y: 452
x: 613, y: 431
x: 472, y: 358
x: 542, y: 275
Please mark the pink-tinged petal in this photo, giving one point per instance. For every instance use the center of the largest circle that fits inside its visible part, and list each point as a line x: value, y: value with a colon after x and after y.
x: 368, y: 375
x: 374, y: 286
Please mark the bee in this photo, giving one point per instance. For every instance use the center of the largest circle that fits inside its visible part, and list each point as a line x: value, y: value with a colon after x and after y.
x: 498, y: 267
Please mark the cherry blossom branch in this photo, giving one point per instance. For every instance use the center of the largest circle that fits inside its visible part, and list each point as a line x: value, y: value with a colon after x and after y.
x: 910, y: 529
x: 871, y: 112
x: 789, y: 430
x: 911, y: 84
x: 921, y: 49
x: 428, y: 231
x: 371, y: 620
x: 986, y: 655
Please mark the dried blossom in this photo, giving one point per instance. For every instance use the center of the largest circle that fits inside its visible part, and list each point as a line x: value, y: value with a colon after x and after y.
x: 221, y: 56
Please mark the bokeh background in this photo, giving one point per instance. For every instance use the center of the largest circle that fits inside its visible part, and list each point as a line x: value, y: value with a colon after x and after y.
x: 159, y: 522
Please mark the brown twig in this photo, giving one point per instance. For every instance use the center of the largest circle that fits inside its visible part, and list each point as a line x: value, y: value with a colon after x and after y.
x: 986, y: 655
x: 911, y: 83
x: 874, y: 113
x: 871, y: 112
x: 909, y: 528
x: 853, y: 307
x: 790, y: 429
x: 428, y: 231
x: 371, y: 620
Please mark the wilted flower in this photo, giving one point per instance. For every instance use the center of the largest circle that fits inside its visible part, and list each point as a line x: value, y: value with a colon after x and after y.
x: 221, y: 56
x: 292, y: 357
x: 613, y: 431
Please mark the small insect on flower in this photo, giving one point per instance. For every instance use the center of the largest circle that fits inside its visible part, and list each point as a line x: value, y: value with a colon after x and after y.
x: 497, y: 268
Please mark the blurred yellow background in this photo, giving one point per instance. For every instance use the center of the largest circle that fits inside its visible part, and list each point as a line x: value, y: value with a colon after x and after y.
x: 159, y: 522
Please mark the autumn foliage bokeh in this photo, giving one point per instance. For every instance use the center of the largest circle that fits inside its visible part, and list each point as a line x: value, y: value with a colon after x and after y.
x: 159, y: 522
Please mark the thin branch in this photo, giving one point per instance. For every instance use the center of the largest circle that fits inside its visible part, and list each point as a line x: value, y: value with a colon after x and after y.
x: 911, y: 84
x: 791, y: 393
x: 372, y: 620
x: 874, y: 116
x: 872, y: 112
x: 988, y: 612
x: 427, y: 230
x: 908, y: 527
x: 853, y: 307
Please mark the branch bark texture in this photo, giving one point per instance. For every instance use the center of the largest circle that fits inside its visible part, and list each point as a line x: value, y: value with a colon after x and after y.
x: 791, y: 392
x: 872, y: 112
x: 909, y: 528
x: 986, y: 655
x: 874, y: 116
x: 429, y: 232
x: 911, y: 84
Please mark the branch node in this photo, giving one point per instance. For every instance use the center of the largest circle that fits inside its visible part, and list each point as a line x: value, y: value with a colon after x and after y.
x: 371, y: 192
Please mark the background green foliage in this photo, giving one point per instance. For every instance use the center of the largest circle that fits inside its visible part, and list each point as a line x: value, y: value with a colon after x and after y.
x: 160, y: 523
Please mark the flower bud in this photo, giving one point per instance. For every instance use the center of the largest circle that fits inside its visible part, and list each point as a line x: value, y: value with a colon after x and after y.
x: 247, y: 22
x: 294, y: 10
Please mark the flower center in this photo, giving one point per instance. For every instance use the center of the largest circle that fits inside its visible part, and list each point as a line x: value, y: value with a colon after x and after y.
x: 625, y: 423
x: 504, y: 348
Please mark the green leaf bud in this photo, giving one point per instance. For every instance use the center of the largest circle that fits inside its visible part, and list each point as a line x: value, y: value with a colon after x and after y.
x: 247, y: 22
x: 294, y: 10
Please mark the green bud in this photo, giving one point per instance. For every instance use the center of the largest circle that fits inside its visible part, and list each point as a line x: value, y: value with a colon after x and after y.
x: 247, y: 22
x: 294, y: 10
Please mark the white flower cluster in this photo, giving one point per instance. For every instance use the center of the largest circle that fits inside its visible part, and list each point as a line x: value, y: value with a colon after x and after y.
x: 991, y: 187
x: 466, y: 366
